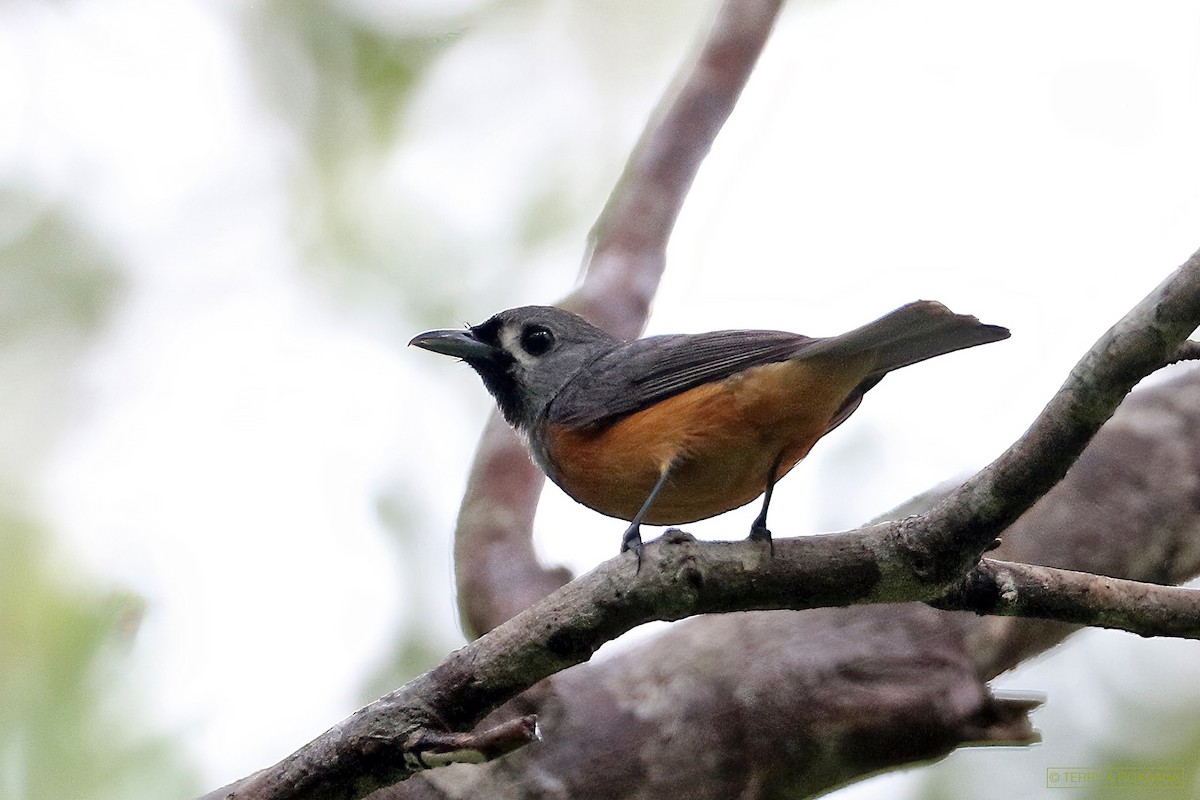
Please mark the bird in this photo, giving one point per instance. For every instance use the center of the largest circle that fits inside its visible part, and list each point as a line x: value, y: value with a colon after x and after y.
x: 671, y: 429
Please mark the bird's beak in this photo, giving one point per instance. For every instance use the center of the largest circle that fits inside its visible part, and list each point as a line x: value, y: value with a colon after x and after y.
x: 458, y: 343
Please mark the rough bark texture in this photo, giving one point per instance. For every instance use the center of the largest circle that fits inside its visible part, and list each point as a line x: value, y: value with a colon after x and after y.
x: 787, y: 704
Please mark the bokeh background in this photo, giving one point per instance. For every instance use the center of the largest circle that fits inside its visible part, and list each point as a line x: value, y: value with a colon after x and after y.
x: 227, y: 489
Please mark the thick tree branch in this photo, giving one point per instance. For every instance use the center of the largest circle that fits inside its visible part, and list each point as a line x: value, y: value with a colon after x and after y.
x: 496, y: 569
x: 847, y: 692
x: 679, y: 578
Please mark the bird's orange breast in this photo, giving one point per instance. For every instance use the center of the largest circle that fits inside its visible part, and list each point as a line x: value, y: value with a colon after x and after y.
x: 720, y: 440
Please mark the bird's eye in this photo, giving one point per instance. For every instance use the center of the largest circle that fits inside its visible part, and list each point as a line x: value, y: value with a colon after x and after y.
x: 536, y: 340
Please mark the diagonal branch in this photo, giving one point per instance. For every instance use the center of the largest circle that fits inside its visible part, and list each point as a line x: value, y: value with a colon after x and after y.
x: 681, y: 577
x: 703, y: 709
x: 496, y: 569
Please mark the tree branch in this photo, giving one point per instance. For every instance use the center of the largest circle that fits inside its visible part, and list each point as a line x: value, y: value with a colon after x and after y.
x: 679, y: 578
x: 704, y: 709
x: 1024, y: 590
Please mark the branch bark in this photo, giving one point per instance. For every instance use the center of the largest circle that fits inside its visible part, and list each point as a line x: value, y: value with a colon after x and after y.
x: 791, y: 704
x: 681, y: 577
x: 1024, y: 590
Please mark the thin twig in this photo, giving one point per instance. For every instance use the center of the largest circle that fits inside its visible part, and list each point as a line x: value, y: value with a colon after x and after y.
x: 1188, y: 351
x: 426, y: 748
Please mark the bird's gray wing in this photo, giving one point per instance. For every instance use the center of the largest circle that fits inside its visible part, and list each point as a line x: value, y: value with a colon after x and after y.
x: 643, y: 372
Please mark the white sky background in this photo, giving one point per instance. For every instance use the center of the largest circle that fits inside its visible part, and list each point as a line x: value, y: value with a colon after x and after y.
x: 1034, y: 164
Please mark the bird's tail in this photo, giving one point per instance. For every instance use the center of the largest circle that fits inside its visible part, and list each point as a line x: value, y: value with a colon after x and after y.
x: 913, y: 333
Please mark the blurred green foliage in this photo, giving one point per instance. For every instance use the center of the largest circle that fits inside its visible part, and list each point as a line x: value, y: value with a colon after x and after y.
x: 419, y: 645
x: 56, y: 281
x: 356, y: 88
x: 69, y: 711
x: 57, y: 285
x: 341, y: 80
x: 69, y: 715
x: 341, y: 84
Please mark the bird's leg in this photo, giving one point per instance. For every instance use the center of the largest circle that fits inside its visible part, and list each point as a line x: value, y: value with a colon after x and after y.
x: 758, y: 530
x: 632, y: 538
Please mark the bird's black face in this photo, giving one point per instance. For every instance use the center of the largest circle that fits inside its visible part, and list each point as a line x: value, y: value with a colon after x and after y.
x: 524, y: 355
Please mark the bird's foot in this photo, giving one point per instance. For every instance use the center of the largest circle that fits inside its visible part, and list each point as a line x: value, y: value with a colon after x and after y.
x: 760, y: 533
x: 632, y: 540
